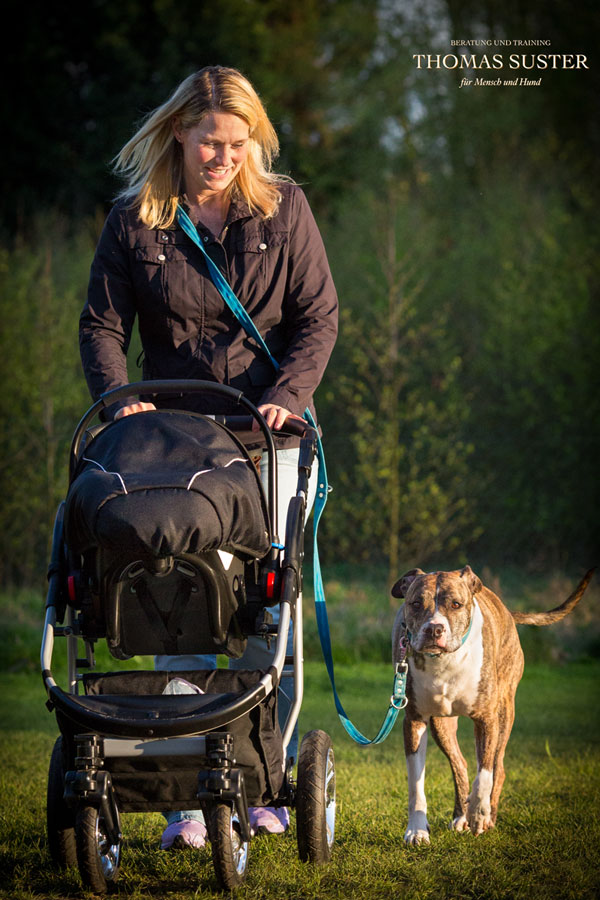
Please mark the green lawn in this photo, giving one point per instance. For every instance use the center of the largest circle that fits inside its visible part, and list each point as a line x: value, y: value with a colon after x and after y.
x: 545, y: 845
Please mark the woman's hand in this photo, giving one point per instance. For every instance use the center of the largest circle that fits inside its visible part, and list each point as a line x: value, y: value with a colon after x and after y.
x: 275, y: 416
x: 133, y: 408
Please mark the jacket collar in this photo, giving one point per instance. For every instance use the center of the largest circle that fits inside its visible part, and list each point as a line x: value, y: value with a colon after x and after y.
x: 238, y: 209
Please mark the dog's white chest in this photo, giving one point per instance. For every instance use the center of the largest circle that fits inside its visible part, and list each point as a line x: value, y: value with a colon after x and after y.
x: 449, y: 684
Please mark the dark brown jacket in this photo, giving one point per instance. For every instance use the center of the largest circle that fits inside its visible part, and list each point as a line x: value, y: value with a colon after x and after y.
x: 278, y: 270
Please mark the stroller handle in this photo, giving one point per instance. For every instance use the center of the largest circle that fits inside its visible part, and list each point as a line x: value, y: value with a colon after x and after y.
x: 293, y: 425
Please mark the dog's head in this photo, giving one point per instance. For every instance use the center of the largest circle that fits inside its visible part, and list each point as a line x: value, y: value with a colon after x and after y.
x: 437, y: 607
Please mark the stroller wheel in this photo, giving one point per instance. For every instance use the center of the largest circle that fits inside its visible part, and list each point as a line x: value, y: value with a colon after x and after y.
x: 98, y: 859
x: 60, y: 819
x: 315, y: 798
x: 229, y: 851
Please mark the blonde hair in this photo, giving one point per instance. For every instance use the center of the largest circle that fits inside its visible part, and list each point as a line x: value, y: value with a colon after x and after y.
x: 152, y: 160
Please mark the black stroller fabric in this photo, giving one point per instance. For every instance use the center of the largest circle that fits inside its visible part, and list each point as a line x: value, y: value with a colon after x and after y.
x: 163, y: 483
x: 150, y: 783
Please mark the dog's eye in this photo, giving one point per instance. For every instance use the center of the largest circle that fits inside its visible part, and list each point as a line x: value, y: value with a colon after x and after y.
x: 416, y: 604
x: 456, y: 605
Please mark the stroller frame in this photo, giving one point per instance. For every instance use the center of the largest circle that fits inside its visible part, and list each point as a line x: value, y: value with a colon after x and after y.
x: 82, y: 800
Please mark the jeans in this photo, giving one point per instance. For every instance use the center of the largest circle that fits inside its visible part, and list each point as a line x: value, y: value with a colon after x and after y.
x: 257, y: 654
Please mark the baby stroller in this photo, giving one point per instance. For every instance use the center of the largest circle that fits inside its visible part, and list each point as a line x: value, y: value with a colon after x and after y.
x: 167, y: 544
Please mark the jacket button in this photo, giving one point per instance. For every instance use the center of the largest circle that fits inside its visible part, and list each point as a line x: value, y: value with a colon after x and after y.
x: 164, y: 237
x: 262, y: 246
x: 161, y: 257
x: 205, y: 239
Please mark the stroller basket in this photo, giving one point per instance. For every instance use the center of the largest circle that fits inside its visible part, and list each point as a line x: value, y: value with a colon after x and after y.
x: 138, y: 696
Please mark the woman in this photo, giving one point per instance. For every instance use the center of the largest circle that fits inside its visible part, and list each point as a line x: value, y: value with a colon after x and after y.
x: 209, y: 148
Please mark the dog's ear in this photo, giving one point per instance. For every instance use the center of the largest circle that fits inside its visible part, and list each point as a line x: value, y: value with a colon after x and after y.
x: 472, y: 580
x: 402, y: 585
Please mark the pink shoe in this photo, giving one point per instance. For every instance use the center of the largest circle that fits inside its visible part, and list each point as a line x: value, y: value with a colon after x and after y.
x: 187, y: 833
x: 268, y: 820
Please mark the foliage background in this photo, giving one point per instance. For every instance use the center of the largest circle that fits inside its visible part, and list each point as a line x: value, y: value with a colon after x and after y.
x: 461, y: 406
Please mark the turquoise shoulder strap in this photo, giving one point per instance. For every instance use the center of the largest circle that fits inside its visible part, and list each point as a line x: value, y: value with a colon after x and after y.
x: 398, y: 698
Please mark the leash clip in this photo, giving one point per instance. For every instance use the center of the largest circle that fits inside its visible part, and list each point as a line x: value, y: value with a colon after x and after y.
x: 399, y: 699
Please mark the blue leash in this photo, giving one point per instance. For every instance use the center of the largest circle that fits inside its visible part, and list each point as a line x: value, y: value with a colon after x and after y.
x: 398, y: 699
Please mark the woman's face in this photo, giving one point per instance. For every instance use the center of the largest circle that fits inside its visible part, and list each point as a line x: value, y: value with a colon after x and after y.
x: 213, y: 152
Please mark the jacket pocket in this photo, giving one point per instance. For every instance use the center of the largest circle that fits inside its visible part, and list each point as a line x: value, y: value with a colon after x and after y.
x: 148, y: 273
x: 258, y: 259
x: 162, y: 283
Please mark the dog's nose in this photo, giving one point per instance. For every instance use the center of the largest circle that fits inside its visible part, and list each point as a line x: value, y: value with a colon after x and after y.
x: 434, y: 631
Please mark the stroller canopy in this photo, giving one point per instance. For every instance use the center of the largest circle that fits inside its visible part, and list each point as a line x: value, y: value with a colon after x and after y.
x: 163, y: 483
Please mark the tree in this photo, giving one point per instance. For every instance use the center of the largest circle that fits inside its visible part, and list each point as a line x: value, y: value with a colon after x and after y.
x: 394, y: 413
x: 87, y: 74
x: 42, y: 287
x: 530, y: 336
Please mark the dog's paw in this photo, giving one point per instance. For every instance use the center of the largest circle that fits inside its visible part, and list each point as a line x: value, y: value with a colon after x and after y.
x: 479, y: 813
x: 414, y: 838
x: 459, y: 824
x: 417, y: 831
x: 480, y: 821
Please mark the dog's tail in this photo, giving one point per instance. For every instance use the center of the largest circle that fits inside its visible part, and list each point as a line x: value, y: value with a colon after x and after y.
x: 555, y: 615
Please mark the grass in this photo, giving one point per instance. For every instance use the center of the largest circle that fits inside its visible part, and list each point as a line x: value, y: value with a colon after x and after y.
x: 545, y: 845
